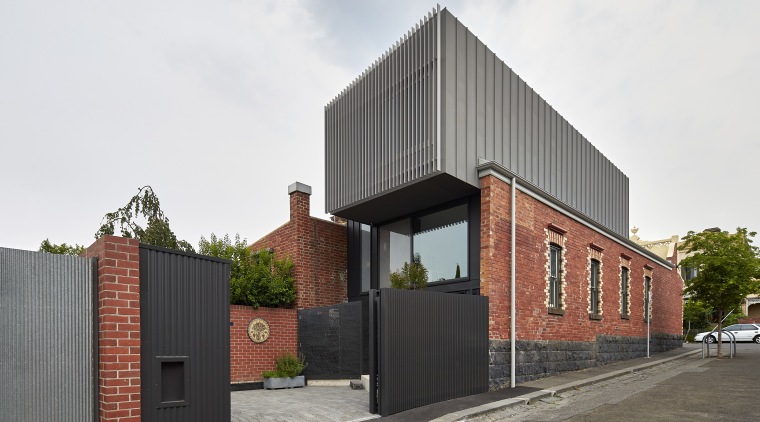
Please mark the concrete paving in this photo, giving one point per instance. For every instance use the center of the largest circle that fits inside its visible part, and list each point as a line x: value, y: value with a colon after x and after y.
x: 321, y: 403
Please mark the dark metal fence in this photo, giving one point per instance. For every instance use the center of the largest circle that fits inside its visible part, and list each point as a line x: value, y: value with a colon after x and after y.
x: 330, y: 339
x: 48, y: 361
x: 425, y: 347
x: 185, y: 336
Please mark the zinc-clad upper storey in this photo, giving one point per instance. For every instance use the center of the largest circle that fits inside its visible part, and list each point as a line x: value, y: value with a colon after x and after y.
x: 410, y: 132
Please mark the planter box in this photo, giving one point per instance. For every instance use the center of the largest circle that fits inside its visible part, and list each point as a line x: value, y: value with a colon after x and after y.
x: 276, y: 383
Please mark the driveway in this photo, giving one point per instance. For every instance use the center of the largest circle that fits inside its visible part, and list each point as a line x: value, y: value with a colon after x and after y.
x: 311, y: 403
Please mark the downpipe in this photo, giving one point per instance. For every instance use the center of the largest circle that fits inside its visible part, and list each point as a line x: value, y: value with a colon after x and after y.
x: 512, y: 290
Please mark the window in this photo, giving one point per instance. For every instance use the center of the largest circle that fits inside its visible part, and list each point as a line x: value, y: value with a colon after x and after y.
x: 366, y: 264
x: 394, y: 249
x: 594, y: 287
x: 647, y: 298
x: 623, y: 291
x: 555, y: 276
x: 688, y: 273
x: 440, y: 238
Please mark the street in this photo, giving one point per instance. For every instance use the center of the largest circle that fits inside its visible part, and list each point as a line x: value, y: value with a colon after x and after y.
x: 688, y: 389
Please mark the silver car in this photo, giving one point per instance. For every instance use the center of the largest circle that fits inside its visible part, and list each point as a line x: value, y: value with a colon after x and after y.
x: 743, y: 332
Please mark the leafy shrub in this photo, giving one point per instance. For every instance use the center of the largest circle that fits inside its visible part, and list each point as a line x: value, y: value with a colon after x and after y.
x: 411, y: 276
x: 256, y: 278
x: 288, y: 366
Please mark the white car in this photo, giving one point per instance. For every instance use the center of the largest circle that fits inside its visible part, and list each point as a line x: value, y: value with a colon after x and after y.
x: 743, y: 332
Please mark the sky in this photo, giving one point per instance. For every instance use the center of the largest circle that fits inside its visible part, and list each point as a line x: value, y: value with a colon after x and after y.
x: 219, y: 105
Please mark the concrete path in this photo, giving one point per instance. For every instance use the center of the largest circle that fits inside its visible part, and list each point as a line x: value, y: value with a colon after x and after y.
x: 340, y: 404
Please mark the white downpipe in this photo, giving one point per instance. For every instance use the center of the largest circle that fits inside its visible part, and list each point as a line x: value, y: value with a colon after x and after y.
x: 649, y: 310
x: 512, y: 291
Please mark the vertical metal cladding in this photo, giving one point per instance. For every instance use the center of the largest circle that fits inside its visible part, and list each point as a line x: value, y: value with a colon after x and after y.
x: 185, y: 314
x: 432, y: 347
x: 489, y: 112
x: 47, y: 358
x: 380, y: 132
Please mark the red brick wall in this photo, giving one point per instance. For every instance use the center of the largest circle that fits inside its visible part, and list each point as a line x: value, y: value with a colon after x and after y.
x: 118, y: 327
x: 534, y: 322
x: 318, y: 249
x: 248, y: 359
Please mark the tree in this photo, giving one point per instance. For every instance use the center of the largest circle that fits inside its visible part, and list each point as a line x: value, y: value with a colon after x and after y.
x: 411, y: 276
x: 157, y: 231
x: 728, y: 269
x: 62, y: 249
x: 256, y: 278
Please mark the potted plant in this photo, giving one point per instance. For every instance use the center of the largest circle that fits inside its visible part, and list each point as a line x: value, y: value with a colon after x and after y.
x: 287, y: 374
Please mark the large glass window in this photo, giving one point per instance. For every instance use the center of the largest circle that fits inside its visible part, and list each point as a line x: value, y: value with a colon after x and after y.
x: 440, y: 239
x: 394, y: 249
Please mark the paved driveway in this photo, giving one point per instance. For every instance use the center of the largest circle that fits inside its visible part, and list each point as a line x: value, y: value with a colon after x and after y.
x: 311, y: 403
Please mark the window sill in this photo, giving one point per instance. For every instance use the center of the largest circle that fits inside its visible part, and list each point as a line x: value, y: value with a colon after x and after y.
x: 595, y: 317
x: 625, y: 316
x: 556, y: 311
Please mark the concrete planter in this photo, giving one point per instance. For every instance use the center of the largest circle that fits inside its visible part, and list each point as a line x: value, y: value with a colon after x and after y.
x: 277, y: 383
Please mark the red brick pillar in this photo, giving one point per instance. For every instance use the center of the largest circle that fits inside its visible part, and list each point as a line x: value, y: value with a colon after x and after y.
x: 118, y: 327
x: 495, y: 240
x: 303, y: 251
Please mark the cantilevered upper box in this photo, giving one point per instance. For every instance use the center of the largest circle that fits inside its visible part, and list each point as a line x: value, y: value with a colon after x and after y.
x: 413, y: 130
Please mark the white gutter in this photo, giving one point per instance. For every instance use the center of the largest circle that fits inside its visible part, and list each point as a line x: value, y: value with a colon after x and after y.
x: 512, y: 290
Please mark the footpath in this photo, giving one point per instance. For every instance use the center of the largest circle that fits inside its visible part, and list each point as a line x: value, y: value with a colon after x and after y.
x: 478, y: 404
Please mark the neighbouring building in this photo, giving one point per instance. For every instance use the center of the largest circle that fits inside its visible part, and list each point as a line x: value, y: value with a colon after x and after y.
x: 439, y: 150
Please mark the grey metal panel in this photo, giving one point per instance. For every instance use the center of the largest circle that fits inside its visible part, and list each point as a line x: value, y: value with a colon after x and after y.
x: 432, y: 347
x: 185, y: 312
x: 50, y: 377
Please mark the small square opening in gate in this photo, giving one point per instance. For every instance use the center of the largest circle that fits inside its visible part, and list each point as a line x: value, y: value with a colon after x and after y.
x: 173, y: 384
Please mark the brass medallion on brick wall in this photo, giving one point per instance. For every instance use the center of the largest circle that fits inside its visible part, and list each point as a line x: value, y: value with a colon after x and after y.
x: 258, y: 330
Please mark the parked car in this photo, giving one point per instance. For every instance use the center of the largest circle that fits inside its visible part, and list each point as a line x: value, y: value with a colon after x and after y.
x: 743, y: 332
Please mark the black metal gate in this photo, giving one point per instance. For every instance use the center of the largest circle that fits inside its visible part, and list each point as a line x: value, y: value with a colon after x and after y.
x: 425, y: 347
x: 185, y: 336
x: 330, y: 339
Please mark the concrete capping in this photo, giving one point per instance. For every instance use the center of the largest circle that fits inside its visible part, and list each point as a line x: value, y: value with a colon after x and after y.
x: 329, y: 383
x: 299, y: 187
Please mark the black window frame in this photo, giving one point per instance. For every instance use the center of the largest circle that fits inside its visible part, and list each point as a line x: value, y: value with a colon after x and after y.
x: 594, y: 280
x: 625, y: 279
x: 555, y: 279
x: 647, y: 297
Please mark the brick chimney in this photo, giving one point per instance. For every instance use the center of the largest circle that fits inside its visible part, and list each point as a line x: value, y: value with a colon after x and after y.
x: 299, y: 201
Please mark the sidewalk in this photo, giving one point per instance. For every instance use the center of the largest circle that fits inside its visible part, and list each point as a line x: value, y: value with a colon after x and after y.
x: 457, y: 409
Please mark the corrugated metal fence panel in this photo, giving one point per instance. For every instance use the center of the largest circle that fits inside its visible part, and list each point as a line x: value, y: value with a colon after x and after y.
x: 330, y: 339
x: 381, y: 131
x: 185, y: 314
x: 489, y: 112
x: 47, y: 358
x: 432, y: 347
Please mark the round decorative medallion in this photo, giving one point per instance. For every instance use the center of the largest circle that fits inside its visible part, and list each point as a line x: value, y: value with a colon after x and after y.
x: 258, y: 330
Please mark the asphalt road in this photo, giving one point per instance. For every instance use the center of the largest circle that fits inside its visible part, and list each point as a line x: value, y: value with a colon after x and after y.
x: 688, y: 389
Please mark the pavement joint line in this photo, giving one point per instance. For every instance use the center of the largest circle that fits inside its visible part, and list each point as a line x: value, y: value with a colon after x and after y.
x: 525, y: 399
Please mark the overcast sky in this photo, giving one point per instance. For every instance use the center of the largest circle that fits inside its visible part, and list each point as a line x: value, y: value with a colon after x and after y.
x: 219, y: 105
